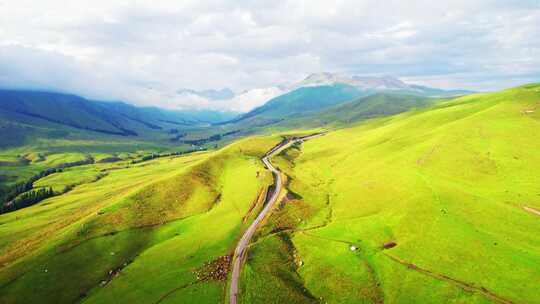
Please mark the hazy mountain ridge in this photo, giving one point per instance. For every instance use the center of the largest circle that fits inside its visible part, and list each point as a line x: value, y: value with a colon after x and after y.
x: 321, y: 91
x: 30, y: 115
x: 303, y: 100
x: 374, y: 83
x: 49, y: 112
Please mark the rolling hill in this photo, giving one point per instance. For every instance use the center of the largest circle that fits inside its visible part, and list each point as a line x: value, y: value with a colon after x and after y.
x: 125, y: 221
x: 357, y: 110
x: 312, y: 101
x: 377, y: 105
x: 47, y: 130
x: 301, y: 101
x: 32, y: 114
x: 432, y: 205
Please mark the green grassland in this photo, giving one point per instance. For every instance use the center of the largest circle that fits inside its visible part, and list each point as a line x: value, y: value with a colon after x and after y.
x: 151, y: 223
x: 54, y: 137
x: 43, y: 130
x: 446, y: 184
x: 443, y: 188
x: 21, y: 163
x: 62, y: 181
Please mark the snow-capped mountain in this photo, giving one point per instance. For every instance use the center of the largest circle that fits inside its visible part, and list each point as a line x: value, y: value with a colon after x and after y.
x: 363, y: 82
x: 227, y: 100
x: 372, y: 83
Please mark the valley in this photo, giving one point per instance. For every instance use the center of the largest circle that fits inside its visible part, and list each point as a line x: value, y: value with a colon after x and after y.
x: 431, y: 201
x: 405, y: 199
x: 270, y: 152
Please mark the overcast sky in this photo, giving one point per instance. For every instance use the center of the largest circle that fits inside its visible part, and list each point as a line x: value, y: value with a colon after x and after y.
x: 144, y: 52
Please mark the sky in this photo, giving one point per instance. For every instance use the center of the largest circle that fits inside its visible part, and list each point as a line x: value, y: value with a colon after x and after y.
x: 144, y: 52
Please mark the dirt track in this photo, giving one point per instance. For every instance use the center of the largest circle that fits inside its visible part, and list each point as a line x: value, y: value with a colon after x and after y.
x: 241, y: 248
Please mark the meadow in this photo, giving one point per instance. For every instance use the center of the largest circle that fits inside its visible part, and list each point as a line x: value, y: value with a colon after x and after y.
x: 148, y: 226
x: 428, y: 206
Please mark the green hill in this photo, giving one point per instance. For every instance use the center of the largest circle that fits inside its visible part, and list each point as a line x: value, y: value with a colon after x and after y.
x: 161, y: 219
x: 374, y: 106
x: 434, y: 205
x: 28, y: 115
x: 43, y: 130
x: 301, y: 101
x: 329, y: 106
x: 438, y: 204
x: 362, y: 108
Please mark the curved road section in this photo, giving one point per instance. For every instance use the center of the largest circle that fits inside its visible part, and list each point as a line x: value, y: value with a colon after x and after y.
x: 241, y: 248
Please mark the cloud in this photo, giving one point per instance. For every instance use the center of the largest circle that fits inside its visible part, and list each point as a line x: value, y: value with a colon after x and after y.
x: 241, y: 102
x: 143, y: 52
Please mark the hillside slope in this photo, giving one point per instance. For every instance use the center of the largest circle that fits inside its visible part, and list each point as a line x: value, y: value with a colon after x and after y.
x: 430, y: 206
x: 362, y: 108
x: 301, y: 101
x: 325, y: 106
x: 141, y: 233
x: 434, y: 205
x: 38, y: 126
x: 30, y: 115
x: 375, y: 106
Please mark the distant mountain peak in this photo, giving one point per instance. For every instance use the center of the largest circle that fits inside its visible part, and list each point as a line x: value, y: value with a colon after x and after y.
x: 372, y: 83
x: 359, y: 81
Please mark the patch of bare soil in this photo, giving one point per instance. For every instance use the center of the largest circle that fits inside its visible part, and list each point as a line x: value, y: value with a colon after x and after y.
x: 113, y: 273
x: 389, y: 245
x: 261, y: 196
x: 216, y: 270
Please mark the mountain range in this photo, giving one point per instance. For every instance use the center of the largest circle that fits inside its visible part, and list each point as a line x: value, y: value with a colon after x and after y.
x: 374, y: 84
x: 255, y: 100
x: 319, y: 98
x: 27, y: 115
x: 324, y: 91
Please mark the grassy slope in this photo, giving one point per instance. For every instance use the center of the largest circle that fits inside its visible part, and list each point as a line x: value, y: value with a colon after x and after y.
x: 446, y: 184
x: 304, y: 100
x: 157, y: 220
x: 359, y: 109
x: 290, y: 112
x: 374, y: 106
x: 53, y: 123
x: 20, y: 163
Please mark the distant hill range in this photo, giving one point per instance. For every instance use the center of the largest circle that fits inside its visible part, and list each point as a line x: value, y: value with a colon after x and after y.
x: 319, y: 99
x: 33, y: 114
x: 375, y: 84
x: 323, y: 91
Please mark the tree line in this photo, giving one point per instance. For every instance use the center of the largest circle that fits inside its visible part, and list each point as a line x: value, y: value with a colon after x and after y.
x: 157, y: 155
x: 27, y: 199
x: 202, y: 141
x: 12, y: 192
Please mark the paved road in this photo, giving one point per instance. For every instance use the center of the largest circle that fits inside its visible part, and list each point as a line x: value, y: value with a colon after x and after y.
x: 241, y: 248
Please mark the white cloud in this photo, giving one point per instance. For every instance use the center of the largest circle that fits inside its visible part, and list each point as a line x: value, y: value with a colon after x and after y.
x: 143, y: 52
x: 253, y: 98
x: 241, y: 102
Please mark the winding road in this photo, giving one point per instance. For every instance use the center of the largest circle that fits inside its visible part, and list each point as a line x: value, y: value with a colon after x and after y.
x: 241, y: 247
